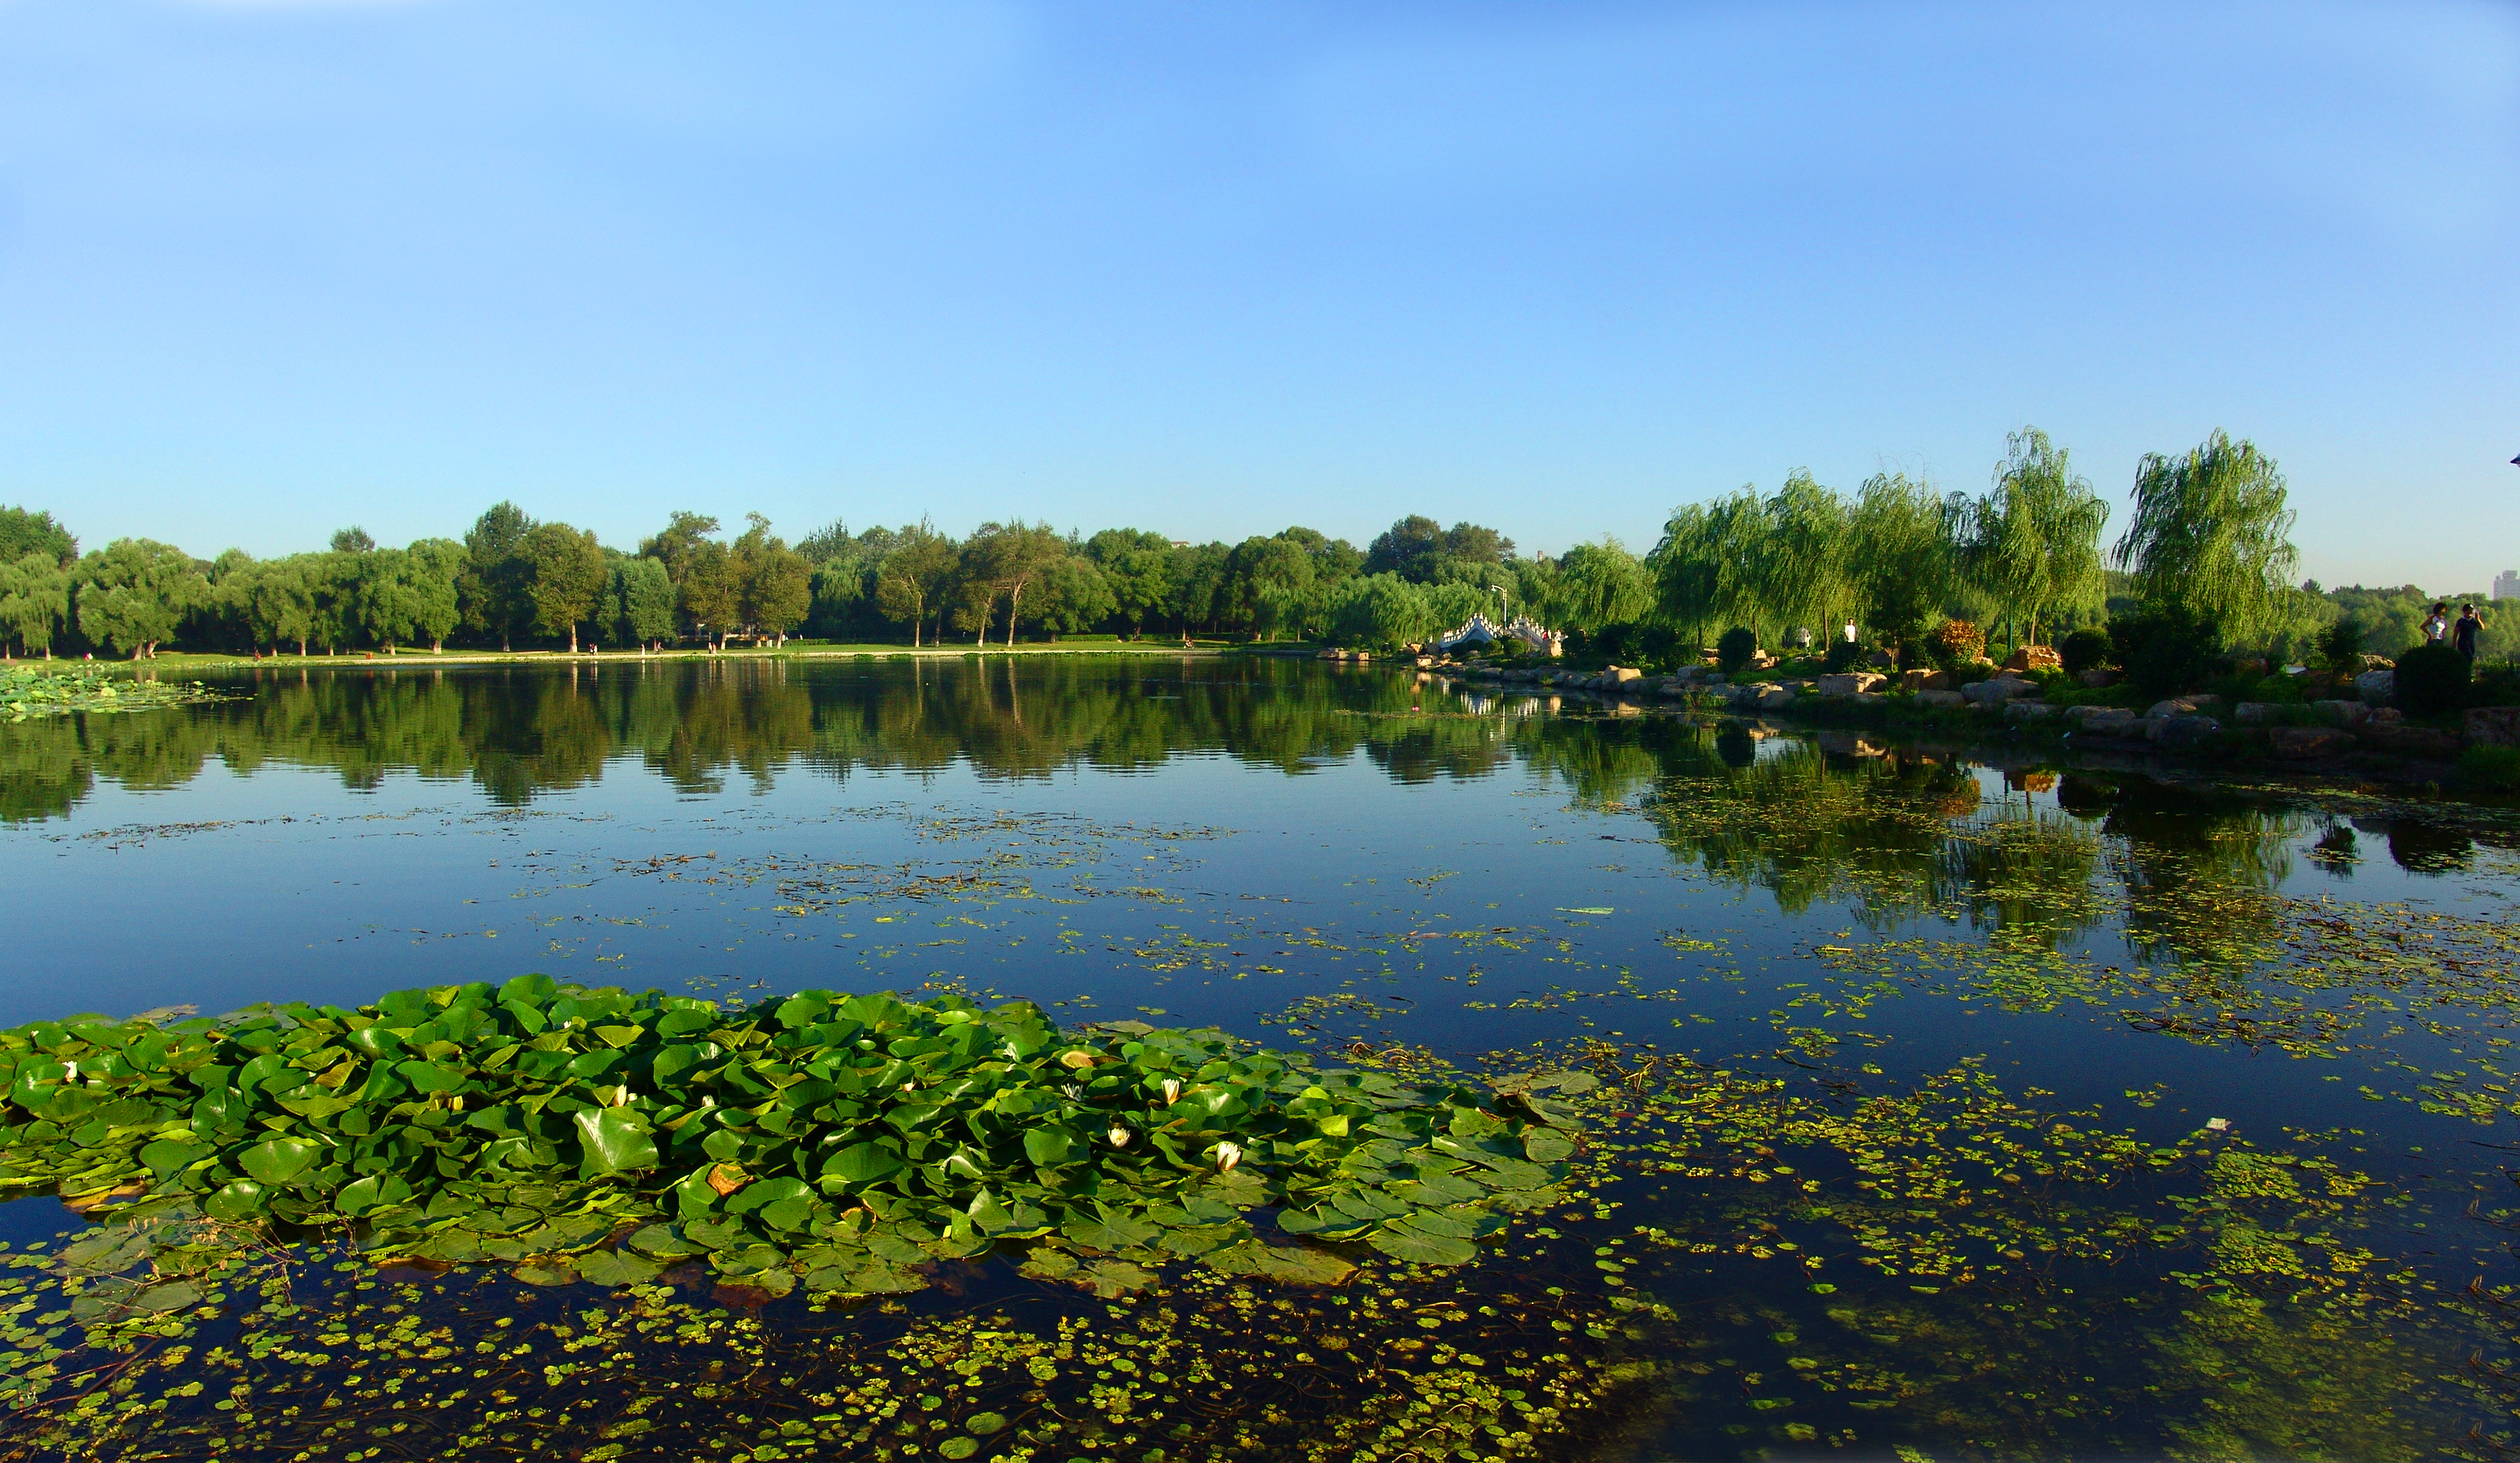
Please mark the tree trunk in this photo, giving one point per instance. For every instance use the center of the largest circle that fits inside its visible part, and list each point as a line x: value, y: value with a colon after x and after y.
x: 1014, y: 602
x: 437, y: 647
x: 301, y: 648
x: 572, y: 637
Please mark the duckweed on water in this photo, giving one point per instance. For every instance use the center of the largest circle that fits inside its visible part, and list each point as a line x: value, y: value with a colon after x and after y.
x: 838, y: 1139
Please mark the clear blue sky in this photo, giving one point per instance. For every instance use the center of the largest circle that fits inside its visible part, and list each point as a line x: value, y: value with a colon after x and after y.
x: 269, y: 268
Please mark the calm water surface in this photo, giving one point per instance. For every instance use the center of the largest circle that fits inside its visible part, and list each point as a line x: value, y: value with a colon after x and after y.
x: 2303, y: 998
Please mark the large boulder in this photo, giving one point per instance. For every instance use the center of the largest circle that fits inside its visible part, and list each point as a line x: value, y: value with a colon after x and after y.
x: 2098, y: 677
x: 2257, y: 712
x: 1775, y: 698
x: 2342, y: 712
x: 2035, y: 659
x: 2029, y: 711
x: 1943, y: 700
x: 1999, y: 690
x: 1851, y: 684
x: 2376, y: 687
x: 2302, y: 743
x: 2429, y: 742
x: 2195, y: 705
x: 1620, y: 675
x: 2103, y: 721
x: 1924, y: 680
x: 2182, y: 731
x: 2494, y: 726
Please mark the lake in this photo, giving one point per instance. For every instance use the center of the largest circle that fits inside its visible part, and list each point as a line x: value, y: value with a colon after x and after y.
x: 1956, y: 1105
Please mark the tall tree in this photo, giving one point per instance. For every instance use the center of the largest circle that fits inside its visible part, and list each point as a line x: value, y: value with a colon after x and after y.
x: 1072, y: 596
x: 674, y: 545
x: 133, y: 593
x: 775, y: 585
x: 1002, y: 560
x: 384, y: 605
x: 1272, y: 581
x: 913, y: 582
x: 1798, y: 568
x: 25, y: 531
x: 567, y: 573
x: 34, y: 600
x: 709, y: 593
x: 353, y: 539
x: 491, y: 589
x: 432, y: 568
x: 1602, y: 584
x: 2033, y: 545
x: 282, y: 609
x: 1137, y: 569
x: 637, y: 602
x: 1900, y: 556
x: 2212, y: 534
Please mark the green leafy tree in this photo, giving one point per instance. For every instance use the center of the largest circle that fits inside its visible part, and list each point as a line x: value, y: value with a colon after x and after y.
x: 1203, y: 580
x: 1900, y: 559
x: 674, y: 545
x: 25, y: 531
x: 132, y: 594
x: 432, y: 568
x: 1272, y: 584
x: 333, y: 579
x: 353, y: 539
x: 710, y: 593
x: 1002, y: 560
x: 637, y: 602
x: 1602, y: 584
x: 1416, y: 547
x: 1072, y: 596
x: 829, y: 542
x: 2211, y: 533
x: 384, y: 603
x: 281, y: 605
x: 566, y: 573
x: 914, y: 580
x: 773, y: 585
x: 1381, y: 611
x: 34, y: 600
x: 2033, y: 542
x: 1138, y: 567
x: 491, y: 589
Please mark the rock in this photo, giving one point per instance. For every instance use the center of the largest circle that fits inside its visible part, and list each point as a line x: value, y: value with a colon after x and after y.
x: 1997, y: 690
x: 2411, y: 742
x: 2197, y: 705
x: 1851, y: 684
x: 2028, y: 711
x: 2385, y: 716
x: 2257, y: 712
x: 1871, y: 698
x: 2035, y: 659
x: 2371, y: 662
x: 2182, y: 731
x: 2297, y: 743
x: 2096, y: 677
x: 2105, y: 721
x: 1924, y: 680
x: 1776, y: 698
x: 1621, y: 673
x: 2376, y: 687
x: 2494, y: 726
x: 1712, y: 678
x: 2342, y: 712
x: 1941, y: 699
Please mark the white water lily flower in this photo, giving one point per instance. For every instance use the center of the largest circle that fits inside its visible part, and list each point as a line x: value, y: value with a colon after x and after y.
x: 1172, y: 1091
x: 621, y: 1095
x: 1119, y: 1136
x: 70, y: 1071
x: 2218, y: 1125
x: 1227, y: 1156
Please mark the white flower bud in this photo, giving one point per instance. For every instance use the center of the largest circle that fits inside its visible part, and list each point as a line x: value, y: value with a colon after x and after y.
x: 1172, y: 1091
x: 1119, y: 1136
x: 1227, y: 1156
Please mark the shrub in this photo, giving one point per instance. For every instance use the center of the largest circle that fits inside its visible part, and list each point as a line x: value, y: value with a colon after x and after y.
x: 1635, y: 642
x: 1735, y: 650
x: 2490, y: 769
x: 2165, y: 649
x: 1956, y: 641
x: 2085, y: 650
x: 1848, y: 655
x: 2340, y: 646
x: 2432, y: 680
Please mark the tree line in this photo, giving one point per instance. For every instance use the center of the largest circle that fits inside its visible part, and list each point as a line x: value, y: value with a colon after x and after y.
x: 2207, y: 551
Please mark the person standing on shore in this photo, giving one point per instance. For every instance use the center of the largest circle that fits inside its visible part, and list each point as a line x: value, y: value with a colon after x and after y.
x: 2463, y: 636
x: 2436, y: 624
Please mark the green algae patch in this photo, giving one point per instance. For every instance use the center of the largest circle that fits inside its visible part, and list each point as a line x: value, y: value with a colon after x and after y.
x: 840, y: 1141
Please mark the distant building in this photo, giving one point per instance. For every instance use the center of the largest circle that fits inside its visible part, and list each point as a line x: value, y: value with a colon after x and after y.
x: 2506, y: 585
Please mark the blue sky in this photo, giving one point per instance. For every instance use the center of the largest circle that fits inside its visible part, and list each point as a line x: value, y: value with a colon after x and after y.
x: 268, y: 268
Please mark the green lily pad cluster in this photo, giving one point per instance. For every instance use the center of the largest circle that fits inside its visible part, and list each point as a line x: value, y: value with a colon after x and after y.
x: 27, y: 691
x: 846, y: 1140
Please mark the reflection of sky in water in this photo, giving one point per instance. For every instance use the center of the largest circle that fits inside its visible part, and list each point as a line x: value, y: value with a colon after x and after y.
x: 1291, y: 854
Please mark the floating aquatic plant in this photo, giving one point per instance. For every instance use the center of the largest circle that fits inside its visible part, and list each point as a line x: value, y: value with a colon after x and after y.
x: 842, y: 1138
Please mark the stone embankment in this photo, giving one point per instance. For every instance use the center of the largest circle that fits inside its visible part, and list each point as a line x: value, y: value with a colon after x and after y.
x: 2312, y: 732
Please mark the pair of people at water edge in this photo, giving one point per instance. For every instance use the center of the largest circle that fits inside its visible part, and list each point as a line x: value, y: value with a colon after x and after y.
x: 2461, y: 633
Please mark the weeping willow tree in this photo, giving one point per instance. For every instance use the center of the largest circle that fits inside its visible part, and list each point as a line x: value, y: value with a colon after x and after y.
x: 2032, y: 545
x: 1602, y: 584
x: 1900, y: 556
x: 1758, y: 562
x: 2212, y: 535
